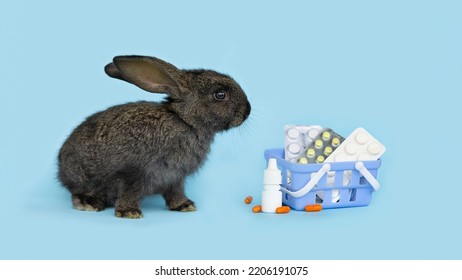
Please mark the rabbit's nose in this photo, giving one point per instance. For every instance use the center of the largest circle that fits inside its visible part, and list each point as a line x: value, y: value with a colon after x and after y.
x: 247, y: 110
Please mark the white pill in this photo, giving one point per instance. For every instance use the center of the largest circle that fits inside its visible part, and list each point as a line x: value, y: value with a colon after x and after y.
x: 374, y: 148
x: 361, y: 138
x: 293, y: 133
x: 294, y: 148
x: 341, y: 157
x: 313, y: 133
x: 363, y: 156
x: 351, y: 148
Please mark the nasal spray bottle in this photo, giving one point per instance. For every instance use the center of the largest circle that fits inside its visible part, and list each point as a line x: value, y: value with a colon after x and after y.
x: 271, y: 195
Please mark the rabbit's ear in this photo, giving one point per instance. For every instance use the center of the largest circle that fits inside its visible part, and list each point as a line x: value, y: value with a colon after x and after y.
x: 148, y: 73
x: 112, y: 71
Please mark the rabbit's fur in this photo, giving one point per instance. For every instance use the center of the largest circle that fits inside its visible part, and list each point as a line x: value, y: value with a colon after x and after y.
x: 118, y: 156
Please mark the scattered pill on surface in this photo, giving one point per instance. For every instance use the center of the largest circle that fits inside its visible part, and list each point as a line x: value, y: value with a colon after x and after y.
x: 256, y: 209
x: 248, y: 199
x: 283, y: 210
x: 313, y: 208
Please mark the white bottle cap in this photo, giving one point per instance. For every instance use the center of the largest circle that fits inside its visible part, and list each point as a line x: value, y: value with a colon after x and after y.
x: 272, y: 175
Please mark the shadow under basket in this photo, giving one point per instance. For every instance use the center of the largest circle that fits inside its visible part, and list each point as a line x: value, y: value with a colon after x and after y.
x: 333, y: 184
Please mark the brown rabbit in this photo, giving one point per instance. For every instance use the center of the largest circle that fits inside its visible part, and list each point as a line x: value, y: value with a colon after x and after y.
x: 120, y: 155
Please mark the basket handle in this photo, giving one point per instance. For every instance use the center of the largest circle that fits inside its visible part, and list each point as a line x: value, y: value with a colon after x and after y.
x: 314, y: 180
x: 365, y: 172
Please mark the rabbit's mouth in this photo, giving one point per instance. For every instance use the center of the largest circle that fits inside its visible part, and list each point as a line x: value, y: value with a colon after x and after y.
x: 240, y: 116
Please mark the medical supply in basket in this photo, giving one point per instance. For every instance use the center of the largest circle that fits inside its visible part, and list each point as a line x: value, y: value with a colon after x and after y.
x: 309, y: 181
x: 322, y: 146
x: 297, y: 138
x: 360, y: 145
x: 345, y: 177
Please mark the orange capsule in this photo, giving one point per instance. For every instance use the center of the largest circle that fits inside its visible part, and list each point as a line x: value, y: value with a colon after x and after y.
x: 256, y: 209
x: 313, y: 208
x: 283, y: 210
x: 248, y: 199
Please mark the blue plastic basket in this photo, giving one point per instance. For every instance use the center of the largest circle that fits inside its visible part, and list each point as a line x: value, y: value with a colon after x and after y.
x: 308, y: 183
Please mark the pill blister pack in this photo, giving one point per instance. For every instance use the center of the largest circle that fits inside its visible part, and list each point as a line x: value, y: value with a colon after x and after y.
x: 312, y: 144
x: 297, y: 138
x: 360, y: 145
x: 321, y: 147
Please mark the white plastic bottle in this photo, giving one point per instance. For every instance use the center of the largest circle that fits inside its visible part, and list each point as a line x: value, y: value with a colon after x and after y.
x: 271, y: 195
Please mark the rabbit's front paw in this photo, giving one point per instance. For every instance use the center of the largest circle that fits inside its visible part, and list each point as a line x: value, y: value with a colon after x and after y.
x: 129, y: 214
x: 128, y: 207
x: 88, y: 203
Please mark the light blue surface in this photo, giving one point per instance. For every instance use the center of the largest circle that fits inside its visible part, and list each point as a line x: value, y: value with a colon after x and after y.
x: 393, y: 67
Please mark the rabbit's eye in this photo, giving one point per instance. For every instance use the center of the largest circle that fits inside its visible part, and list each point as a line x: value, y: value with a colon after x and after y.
x: 220, y: 95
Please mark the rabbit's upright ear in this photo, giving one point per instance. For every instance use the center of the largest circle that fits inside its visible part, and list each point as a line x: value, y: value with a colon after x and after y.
x: 148, y: 73
x: 112, y: 71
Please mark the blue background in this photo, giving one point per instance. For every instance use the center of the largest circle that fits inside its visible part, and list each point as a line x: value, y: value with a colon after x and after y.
x: 393, y: 67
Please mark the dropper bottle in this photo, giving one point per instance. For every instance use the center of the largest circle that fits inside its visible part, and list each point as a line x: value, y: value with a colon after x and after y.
x: 271, y: 195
